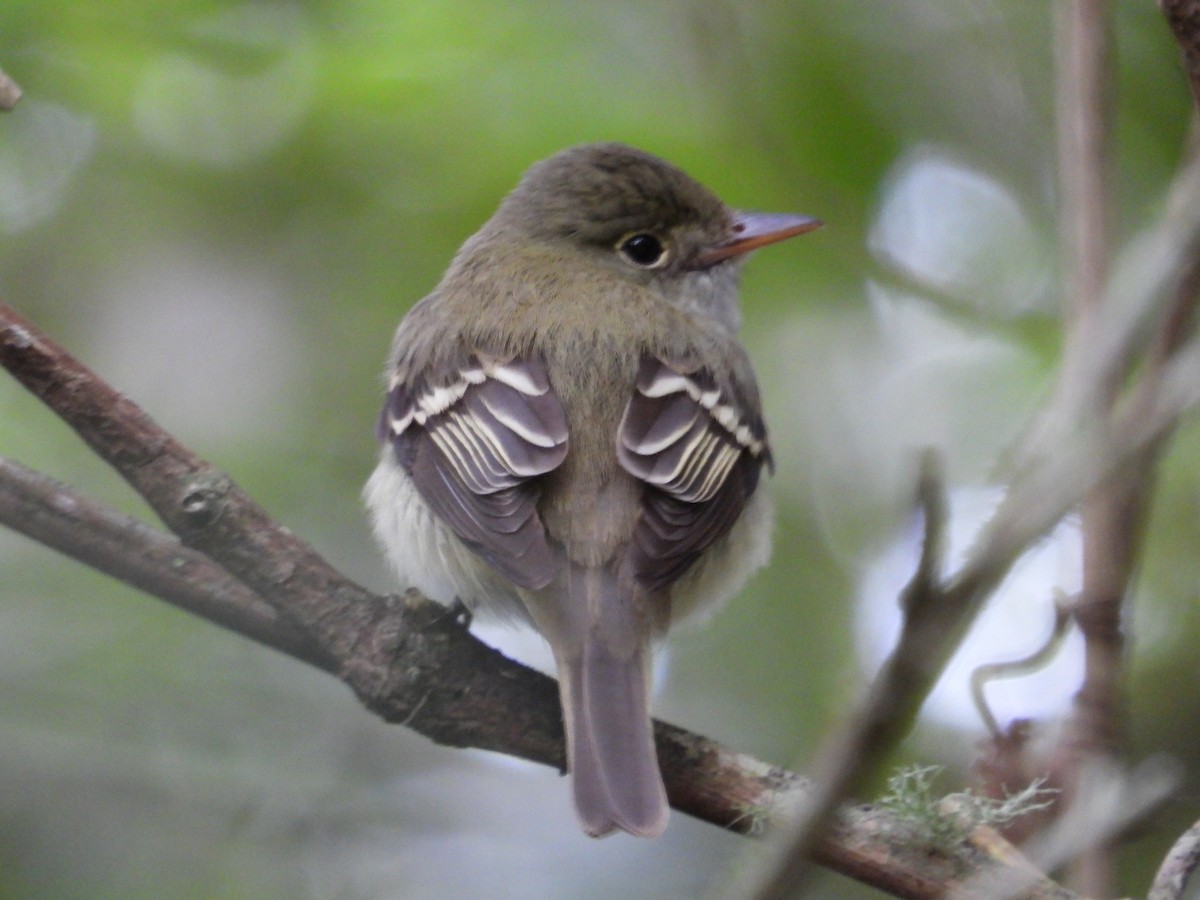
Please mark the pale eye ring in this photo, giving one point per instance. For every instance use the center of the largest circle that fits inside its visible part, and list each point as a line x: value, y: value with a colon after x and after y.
x: 644, y: 250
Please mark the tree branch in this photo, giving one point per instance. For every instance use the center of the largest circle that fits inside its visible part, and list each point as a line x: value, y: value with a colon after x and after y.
x: 129, y: 550
x: 406, y: 657
x: 1078, y: 445
x: 409, y: 661
x: 1055, y: 469
x: 867, y: 737
x: 1112, y: 513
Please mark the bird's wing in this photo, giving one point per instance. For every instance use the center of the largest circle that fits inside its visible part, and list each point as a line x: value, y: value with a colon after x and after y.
x: 474, y: 440
x: 700, y: 450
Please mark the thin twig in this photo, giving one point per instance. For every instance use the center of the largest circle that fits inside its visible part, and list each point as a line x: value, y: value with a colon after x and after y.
x: 1111, y: 514
x: 1084, y: 112
x: 868, y: 735
x: 424, y: 669
x: 128, y: 549
x: 1108, y: 803
x: 1051, y: 479
x: 1068, y: 451
x: 1037, y: 500
x: 1139, y: 295
x: 1016, y: 668
x: 934, y: 509
x: 1068, y: 448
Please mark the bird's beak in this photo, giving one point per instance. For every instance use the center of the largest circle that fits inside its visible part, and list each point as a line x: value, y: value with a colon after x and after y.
x: 753, y: 230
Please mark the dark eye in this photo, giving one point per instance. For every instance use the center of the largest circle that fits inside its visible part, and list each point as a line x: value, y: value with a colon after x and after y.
x: 643, y: 250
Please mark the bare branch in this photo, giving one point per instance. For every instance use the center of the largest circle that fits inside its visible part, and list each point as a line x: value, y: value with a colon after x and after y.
x: 867, y: 736
x: 407, y: 657
x: 1140, y: 294
x: 1016, y: 668
x: 1067, y: 445
x: 449, y: 675
x: 1067, y: 452
x: 129, y: 550
x: 1109, y: 801
x: 1084, y: 118
x: 934, y: 625
x: 1110, y: 516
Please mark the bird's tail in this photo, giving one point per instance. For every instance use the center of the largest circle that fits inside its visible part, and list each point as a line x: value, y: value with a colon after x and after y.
x: 603, y: 650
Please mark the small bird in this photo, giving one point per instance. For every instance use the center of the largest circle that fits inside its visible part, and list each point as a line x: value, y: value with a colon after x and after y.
x: 572, y: 438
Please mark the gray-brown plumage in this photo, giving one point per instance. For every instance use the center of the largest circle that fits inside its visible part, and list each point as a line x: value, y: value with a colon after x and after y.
x: 573, y: 438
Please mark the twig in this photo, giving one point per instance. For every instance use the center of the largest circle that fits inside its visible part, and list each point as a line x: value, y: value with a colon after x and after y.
x: 1140, y: 294
x: 1052, y: 477
x: 1069, y: 450
x: 421, y: 667
x: 1016, y: 668
x: 1084, y: 118
x: 127, y: 549
x: 931, y: 501
x: 1111, y: 513
x: 1038, y: 498
x: 1179, y: 324
x: 1108, y: 802
x: 870, y: 733
x: 1177, y: 867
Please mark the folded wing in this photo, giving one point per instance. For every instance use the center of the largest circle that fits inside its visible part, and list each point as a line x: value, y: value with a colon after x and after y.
x: 700, y: 450
x: 474, y: 440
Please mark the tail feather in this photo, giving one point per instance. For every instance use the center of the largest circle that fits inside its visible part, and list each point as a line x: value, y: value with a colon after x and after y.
x: 610, y: 743
x: 603, y: 654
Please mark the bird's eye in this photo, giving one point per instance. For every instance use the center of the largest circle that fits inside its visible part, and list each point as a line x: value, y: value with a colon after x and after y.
x: 644, y: 250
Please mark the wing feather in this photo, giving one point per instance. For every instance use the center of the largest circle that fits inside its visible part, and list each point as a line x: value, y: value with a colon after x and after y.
x: 475, y: 441
x: 700, y: 451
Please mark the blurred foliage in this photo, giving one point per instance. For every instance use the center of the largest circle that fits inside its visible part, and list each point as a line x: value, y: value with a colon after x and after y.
x: 225, y: 207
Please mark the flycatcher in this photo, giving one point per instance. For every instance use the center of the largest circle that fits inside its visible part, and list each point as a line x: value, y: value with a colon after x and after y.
x: 573, y: 438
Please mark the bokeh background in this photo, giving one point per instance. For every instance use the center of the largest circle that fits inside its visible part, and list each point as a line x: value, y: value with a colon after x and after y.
x: 224, y: 208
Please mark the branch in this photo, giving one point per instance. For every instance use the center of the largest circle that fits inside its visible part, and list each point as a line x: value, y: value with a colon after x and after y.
x: 1067, y: 444
x: 143, y: 557
x: 447, y: 687
x: 1084, y: 113
x: 1018, y: 668
x: 871, y: 732
x: 940, y: 612
x: 1109, y: 801
x: 1078, y: 441
x: 406, y: 657
x: 1183, y: 17
x: 1112, y: 513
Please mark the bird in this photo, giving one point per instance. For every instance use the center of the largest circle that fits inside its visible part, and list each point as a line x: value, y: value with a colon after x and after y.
x: 572, y: 439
